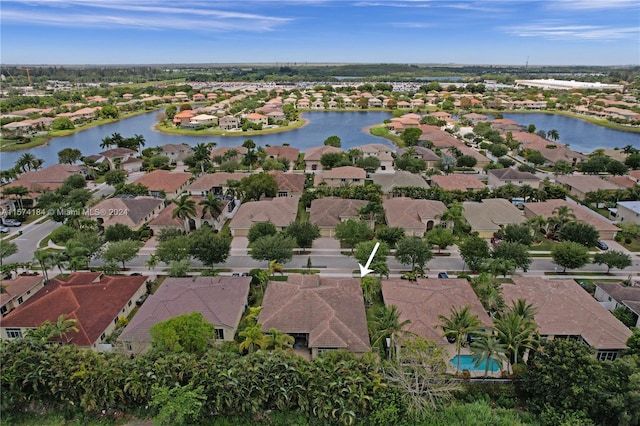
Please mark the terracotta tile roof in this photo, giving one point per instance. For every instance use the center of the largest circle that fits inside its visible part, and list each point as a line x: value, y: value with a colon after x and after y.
x: 287, y: 152
x: 166, y: 219
x: 407, y: 213
x: 583, y: 214
x: 330, y: 310
x: 56, y: 173
x: 425, y: 153
x: 279, y: 211
x: 330, y: 211
x: 213, y: 180
x: 175, y: 147
x: 346, y: 172
x: 93, y: 304
x: 586, y: 183
x: 564, y: 308
x: 220, y: 300
x: 164, y: 180
x: 458, y: 181
x: 389, y: 181
x: 126, y: 211
x: 438, y: 136
x: 423, y: 301
x: 635, y: 174
x: 117, y: 152
x: 314, y: 154
x: 622, y: 181
x: 292, y: 182
x: 510, y: 173
x: 220, y: 151
x: 18, y: 286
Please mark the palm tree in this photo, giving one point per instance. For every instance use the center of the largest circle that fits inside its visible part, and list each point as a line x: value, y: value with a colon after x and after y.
x: 7, y: 248
x: 629, y: 149
x: 527, y: 192
x: 28, y: 162
x: 106, y: 142
x: 43, y: 257
x: 458, y: 326
x: 537, y: 222
x: 516, y: 329
x: 152, y: 262
x: 370, y: 287
x: 276, y: 339
x: 185, y: 210
x: 138, y: 140
x: 488, y: 350
x: 387, y: 325
x: 453, y: 214
x: 211, y: 205
x: 561, y: 215
x: 253, y: 339
x: 553, y: 134
x: 49, y: 330
x: 58, y: 259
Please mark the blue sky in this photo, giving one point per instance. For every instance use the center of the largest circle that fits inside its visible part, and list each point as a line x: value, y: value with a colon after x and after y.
x: 553, y: 32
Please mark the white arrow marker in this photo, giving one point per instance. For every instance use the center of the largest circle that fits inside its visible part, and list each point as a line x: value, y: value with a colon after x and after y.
x: 364, y: 270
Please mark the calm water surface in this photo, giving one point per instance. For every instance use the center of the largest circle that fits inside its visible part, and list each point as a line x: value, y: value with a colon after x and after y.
x: 347, y: 125
x: 581, y: 135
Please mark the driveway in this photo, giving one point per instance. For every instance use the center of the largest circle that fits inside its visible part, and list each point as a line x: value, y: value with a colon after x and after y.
x: 239, y: 244
x: 326, y: 244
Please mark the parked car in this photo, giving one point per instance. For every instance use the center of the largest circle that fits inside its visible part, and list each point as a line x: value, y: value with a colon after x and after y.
x: 10, y: 222
x: 141, y: 299
x: 245, y: 274
x: 4, y: 229
x: 602, y: 245
x: 235, y: 274
x: 443, y: 275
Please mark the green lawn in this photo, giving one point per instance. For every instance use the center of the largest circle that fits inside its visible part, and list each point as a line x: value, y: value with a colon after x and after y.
x: 383, y: 132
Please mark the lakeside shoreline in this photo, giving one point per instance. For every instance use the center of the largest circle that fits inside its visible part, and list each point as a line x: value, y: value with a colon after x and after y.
x: 181, y: 132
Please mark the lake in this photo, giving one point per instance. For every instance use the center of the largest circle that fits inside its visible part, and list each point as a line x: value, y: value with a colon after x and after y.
x: 580, y: 135
x: 346, y: 125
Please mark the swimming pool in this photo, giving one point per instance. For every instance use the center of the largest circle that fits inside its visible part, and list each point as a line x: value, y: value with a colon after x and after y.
x: 467, y: 363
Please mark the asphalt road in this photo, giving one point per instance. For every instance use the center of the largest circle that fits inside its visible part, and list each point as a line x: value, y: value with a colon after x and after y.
x: 28, y: 242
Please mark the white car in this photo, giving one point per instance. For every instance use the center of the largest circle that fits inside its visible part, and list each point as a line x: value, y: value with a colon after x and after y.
x: 10, y: 222
x: 4, y: 229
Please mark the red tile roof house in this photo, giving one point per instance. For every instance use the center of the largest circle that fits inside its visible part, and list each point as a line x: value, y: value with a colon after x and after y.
x: 279, y: 211
x: 423, y: 301
x: 615, y: 295
x: 166, y: 220
x: 545, y: 209
x: 340, y: 176
x: 380, y: 151
x: 456, y: 181
x: 159, y: 182
x: 257, y: 118
x: 287, y: 152
x: 18, y: 290
x: 96, y: 301
x: 414, y: 216
x: 132, y: 212
x: 580, y: 185
x: 217, y: 183
x: 313, y: 155
x: 183, y: 117
x: 222, y: 152
x: 501, y: 177
x: 322, y: 314
x: 565, y: 310
x: 48, y: 179
x: 328, y: 212
x: 289, y: 184
x: 220, y: 300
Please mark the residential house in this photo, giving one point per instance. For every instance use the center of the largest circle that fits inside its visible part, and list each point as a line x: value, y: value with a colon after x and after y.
x: 184, y: 117
x: 165, y: 218
x: 424, y: 301
x: 583, y: 214
x: 374, y: 103
x: 321, y: 314
x: 256, y: 118
x: 501, y: 177
x: 280, y: 152
x: 228, y: 153
x: 475, y: 118
x: 628, y: 212
x: 616, y: 295
x: 96, y: 301
x: 289, y: 184
x: 564, y: 310
x: 313, y: 155
x: 414, y: 216
x: 47, y: 179
x: 504, y: 125
x: 202, y: 120
x: 341, y: 176
x: 18, y: 290
x: 491, y: 215
x: 176, y: 152
x: 228, y: 122
x: 580, y: 185
x: 133, y: 212
x: 163, y: 183
x: 279, y: 211
x: 381, y: 151
x: 624, y: 182
x: 328, y: 212
x: 116, y: 156
x: 400, y: 178
x: 131, y: 165
x: 220, y: 300
x: 217, y: 183
x: 456, y: 181
x: 430, y: 157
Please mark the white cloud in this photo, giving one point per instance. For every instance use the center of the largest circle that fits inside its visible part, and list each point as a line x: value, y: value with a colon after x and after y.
x: 558, y: 30
x: 392, y: 3
x: 594, y: 4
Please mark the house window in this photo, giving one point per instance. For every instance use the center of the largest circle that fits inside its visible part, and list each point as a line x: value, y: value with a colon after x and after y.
x: 20, y: 300
x: 28, y: 292
x: 219, y: 334
x: 607, y: 355
x: 115, y: 321
x: 13, y: 333
x: 3, y: 310
x: 343, y: 180
x: 129, y: 347
x: 322, y: 350
x: 356, y: 180
x: 103, y: 336
x: 130, y: 302
x: 283, y: 194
